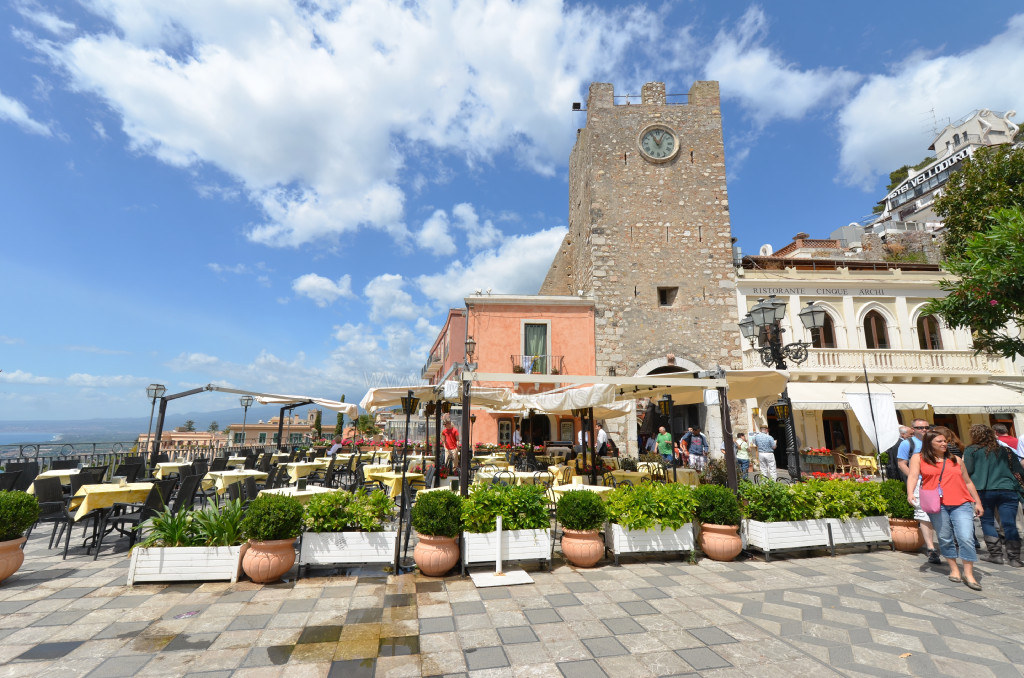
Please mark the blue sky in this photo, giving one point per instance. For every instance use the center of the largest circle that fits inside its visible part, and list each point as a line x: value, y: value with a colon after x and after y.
x: 287, y: 196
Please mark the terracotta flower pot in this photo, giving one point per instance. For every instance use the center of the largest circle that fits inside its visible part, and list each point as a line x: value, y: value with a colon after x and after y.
x: 906, y: 535
x: 266, y: 561
x: 720, y: 542
x: 435, y: 556
x: 11, y: 557
x: 582, y: 548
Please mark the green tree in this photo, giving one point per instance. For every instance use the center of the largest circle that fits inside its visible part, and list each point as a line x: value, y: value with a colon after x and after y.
x: 991, y: 179
x: 213, y: 427
x: 365, y: 425
x: 190, y: 425
x: 989, y: 291
x: 339, y: 426
x: 318, y: 432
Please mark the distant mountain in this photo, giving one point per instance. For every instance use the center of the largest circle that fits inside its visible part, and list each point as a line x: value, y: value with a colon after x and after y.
x: 129, y: 428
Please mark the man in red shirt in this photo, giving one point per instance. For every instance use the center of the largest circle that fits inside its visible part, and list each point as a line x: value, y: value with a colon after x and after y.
x: 1003, y: 434
x: 450, y: 439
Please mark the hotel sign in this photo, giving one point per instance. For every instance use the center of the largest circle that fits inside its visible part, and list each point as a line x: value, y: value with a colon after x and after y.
x: 929, y: 173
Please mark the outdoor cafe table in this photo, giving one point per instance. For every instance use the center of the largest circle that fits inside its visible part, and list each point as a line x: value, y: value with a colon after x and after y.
x: 301, y: 469
x: 394, y: 480
x: 562, y: 489
x: 221, y: 479
x: 164, y: 468
x: 439, y: 488
x: 63, y: 473
x: 632, y: 476
x: 95, y: 497
x: 302, y: 495
x: 521, y: 477
x: 370, y: 469
x: 866, y: 461
x: 236, y: 462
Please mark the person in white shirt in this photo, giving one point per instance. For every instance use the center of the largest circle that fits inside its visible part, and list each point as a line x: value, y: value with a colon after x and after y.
x: 602, y: 441
x: 765, y: 445
x: 582, y: 437
x: 517, y: 437
x: 336, y: 447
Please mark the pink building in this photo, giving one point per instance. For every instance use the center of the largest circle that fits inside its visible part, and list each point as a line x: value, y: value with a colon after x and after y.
x: 523, y: 335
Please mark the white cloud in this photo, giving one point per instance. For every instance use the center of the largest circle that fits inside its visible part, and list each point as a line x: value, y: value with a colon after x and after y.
x: 14, y: 111
x: 45, y: 20
x: 97, y: 350
x: 237, y: 269
x: 19, y: 377
x: 434, y: 235
x: 518, y: 266
x: 888, y: 122
x: 766, y: 85
x: 388, y: 299
x: 312, y: 106
x: 478, y: 235
x: 104, y: 381
x: 323, y: 290
x: 193, y: 361
x: 4, y: 339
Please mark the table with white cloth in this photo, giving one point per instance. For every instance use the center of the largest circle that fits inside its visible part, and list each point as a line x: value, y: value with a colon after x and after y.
x: 520, y: 477
x: 571, y: 487
x: 222, y: 479
x: 165, y: 468
x: 236, y: 462
x: 302, y: 495
x: 301, y: 469
x: 393, y: 480
x: 91, y: 498
x: 63, y: 473
x: 439, y: 488
x: 633, y: 477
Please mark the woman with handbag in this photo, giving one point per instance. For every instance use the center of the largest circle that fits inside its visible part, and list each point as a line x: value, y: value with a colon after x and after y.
x: 949, y: 498
x: 994, y: 468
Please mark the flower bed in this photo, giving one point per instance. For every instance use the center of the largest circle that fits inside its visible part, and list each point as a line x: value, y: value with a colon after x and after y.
x: 649, y: 518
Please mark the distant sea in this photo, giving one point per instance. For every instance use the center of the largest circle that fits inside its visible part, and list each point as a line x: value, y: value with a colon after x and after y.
x: 27, y: 437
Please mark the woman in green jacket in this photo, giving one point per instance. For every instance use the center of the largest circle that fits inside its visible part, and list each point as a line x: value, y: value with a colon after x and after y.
x: 991, y: 467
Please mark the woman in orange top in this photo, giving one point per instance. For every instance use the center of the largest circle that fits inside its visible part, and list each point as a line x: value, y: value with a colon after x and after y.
x: 940, y: 470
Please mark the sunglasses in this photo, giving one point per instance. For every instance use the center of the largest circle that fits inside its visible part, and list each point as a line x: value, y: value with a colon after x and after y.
x: 922, y: 428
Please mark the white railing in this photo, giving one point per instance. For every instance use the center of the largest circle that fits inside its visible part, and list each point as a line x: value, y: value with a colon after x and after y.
x: 892, y: 361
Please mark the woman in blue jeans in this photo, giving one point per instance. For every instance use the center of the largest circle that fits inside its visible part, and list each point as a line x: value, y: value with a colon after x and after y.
x: 991, y: 466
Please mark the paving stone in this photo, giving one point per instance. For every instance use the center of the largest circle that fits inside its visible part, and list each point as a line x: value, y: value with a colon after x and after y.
x: 604, y: 647
x: 486, y: 658
x: 711, y: 636
x: 511, y: 635
x: 398, y: 646
x: 300, y: 605
x: 247, y: 622
x: 49, y: 651
x: 469, y: 607
x: 437, y: 625
x: 702, y: 658
x: 581, y: 669
x: 650, y: 593
x: 495, y: 593
x: 638, y: 607
x: 562, y: 600
x: 119, y: 667
x: 353, y: 668
x: 623, y: 626
x: 122, y: 630
x: 274, y: 655
x: 543, y: 616
x: 192, y: 642
x: 319, y: 634
x: 429, y: 587
x: 364, y: 615
x: 580, y: 587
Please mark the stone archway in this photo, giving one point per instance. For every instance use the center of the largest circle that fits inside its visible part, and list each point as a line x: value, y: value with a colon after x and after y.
x: 658, y: 365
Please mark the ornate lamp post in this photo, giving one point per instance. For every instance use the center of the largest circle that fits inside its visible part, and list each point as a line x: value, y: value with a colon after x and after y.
x: 466, y: 429
x: 154, y: 392
x: 764, y: 321
x: 665, y: 407
x: 246, y: 402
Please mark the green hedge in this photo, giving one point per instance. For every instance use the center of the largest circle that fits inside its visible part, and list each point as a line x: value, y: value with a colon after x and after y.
x: 522, y: 507
x: 581, y: 510
x: 813, y: 499
x: 18, y: 511
x: 646, y: 505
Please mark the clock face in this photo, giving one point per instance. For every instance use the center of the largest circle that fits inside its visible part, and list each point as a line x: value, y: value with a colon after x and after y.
x: 658, y: 143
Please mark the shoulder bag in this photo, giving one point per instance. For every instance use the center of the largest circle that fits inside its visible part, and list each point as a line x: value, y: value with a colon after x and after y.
x: 931, y: 500
x: 1015, y: 470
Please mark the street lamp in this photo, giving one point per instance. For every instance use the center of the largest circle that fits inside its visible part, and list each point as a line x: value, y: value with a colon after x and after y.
x: 246, y: 402
x: 410, y: 404
x: 154, y: 392
x: 764, y: 320
x: 665, y: 406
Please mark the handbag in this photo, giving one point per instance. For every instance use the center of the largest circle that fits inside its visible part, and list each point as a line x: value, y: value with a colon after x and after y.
x: 931, y: 500
x: 1015, y: 471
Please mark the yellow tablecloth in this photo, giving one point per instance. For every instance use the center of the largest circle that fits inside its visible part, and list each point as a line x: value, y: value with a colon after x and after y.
x: 394, y: 480
x: 370, y: 469
x: 63, y: 473
x: 611, y: 462
x: 92, y: 497
x: 236, y: 462
x: 683, y: 476
x: 302, y: 495
x: 632, y: 476
x: 521, y: 477
x: 221, y: 479
x: 301, y: 469
x: 562, y: 489
x: 439, y: 488
x: 165, y: 468
x: 866, y: 461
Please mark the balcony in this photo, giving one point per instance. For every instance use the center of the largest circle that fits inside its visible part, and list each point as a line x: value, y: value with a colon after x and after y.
x: 538, y: 364
x: 431, y: 367
x: 896, y: 363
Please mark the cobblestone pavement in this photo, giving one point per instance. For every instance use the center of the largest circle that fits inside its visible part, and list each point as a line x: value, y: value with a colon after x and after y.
x: 857, y: 614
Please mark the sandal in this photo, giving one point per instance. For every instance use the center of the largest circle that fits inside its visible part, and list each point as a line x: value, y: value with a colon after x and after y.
x: 955, y: 580
x: 973, y: 585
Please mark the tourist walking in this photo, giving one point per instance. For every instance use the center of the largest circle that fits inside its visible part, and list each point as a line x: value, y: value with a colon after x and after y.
x: 952, y: 440
x: 907, y: 449
x: 450, y: 439
x: 951, y: 501
x: 742, y: 454
x: 991, y: 467
x: 664, y: 442
x: 765, y: 445
x: 696, y: 447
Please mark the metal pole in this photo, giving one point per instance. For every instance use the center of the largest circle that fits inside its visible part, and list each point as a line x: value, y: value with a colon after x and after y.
x: 792, y: 453
x: 672, y: 437
x: 874, y: 424
x: 727, y: 439
x: 149, y: 433
x: 593, y: 447
x: 155, y: 453
x: 464, y: 459
x: 280, y: 428
x: 405, y: 459
x: 437, y: 444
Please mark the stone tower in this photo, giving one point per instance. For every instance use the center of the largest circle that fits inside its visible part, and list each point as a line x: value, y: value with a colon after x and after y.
x: 649, y: 234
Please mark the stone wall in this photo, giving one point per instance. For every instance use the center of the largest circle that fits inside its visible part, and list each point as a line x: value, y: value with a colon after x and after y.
x: 906, y: 246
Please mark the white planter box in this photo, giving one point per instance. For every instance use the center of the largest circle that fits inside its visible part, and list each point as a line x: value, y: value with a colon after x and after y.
x: 328, y: 548
x: 186, y: 563
x: 515, y: 545
x: 620, y: 540
x: 789, y: 534
x: 860, y: 530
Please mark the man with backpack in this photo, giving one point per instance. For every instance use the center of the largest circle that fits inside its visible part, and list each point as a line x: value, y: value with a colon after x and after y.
x: 697, y: 446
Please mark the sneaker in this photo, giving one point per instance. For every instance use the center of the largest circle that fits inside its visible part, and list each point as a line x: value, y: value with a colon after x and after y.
x: 933, y: 557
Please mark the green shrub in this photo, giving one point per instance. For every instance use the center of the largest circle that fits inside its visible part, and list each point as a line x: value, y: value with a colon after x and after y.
x: 348, y: 512
x: 581, y: 510
x: 437, y: 514
x: 219, y: 525
x: 894, y: 492
x: 768, y: 502
x: 627, y: 464
x: 714, y: 473
x: 166, y: 529
x: 522, y: 507
x: 872, y: 503
x: 271, y: 517
x: 18, y: 512
x: 717, y: 505
x: 649, y: 504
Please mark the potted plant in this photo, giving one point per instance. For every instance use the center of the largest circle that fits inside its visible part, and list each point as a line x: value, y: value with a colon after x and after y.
x: 855, y: 510
x: 581, y: 514
x: 18, y: 512
x: 526, y: 526
x: 348, y: 527
x: 191, y: 545
x: 627, y: 464
x: 271, y: 524
x: 718, y: 512
x: 650, y: 517
x: 437, y: 519
x: 906, y: 533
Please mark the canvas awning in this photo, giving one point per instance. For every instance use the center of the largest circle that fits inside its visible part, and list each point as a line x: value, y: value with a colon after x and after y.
x: 686, y: 390
x: 348, y: 409
x: 391, y: 396
x: 601, y: 397
x: 940, y: 398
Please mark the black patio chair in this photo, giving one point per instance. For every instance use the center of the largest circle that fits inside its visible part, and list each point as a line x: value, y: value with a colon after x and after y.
x: 52, y: 508
x: 504, y: 478
x: 186, y: 496
x: 250, y: 462
x: 219, y: 464
x: 129, y: 471
x: 29, y: 471
x: 234, y: 491
x: 63, y: 464
x: 8, y: 480
x: 98, y: 471
x: 268, y: 482
x: 322, y: 476
x: 200, y: 466
x: 265, y: 461
x: 249, y: 489
x: 131, y: 516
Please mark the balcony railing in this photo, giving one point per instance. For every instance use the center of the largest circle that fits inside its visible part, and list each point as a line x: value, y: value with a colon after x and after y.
x: 538, y: 364
x: 895, y: 361
x: 431, y: 367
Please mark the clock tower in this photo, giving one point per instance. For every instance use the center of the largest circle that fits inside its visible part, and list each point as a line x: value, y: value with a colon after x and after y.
x: 649, y: 235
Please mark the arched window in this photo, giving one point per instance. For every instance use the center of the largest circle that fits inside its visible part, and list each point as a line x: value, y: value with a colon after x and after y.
x: 875, y: 334
x: 928, y: 333
x: 825, y: 336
